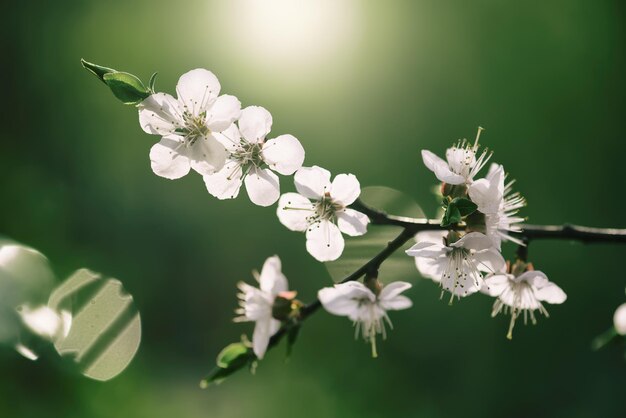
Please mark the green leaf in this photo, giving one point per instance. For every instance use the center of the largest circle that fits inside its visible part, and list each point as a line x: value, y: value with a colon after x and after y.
x: 97, y: 70
x: 457, y: 209
x: 105, y: 330
x: 232, y: 358
x: 604, y: 339
x: 231, y: 354
x: 466, y: 207
x: 359, y: 250
x: 126, y: 87
x: 452, y: 215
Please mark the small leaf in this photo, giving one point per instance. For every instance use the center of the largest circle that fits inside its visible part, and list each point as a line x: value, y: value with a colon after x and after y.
x: 231, y: 354
x: 151, y: 82
x: 452, y: 215
x: 466, y: 207
x: 126, y: 87
x: 97, y: 70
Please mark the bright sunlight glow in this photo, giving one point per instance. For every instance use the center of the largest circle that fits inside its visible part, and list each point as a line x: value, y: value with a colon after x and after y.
x: 291, y: 33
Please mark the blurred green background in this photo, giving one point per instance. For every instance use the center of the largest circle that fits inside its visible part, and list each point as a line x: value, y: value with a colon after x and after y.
x: 364, y: 85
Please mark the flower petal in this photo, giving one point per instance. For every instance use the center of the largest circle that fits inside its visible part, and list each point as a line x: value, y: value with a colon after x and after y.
x: 441, y: 168
x: 168, y: 158
x: 345, y: 189
x: 312, y: 182
x: 431, y: 160
x: 393, y: 289
x: 619, y: 319
x: 272, y: 280
x: 261, y: 336
x: 495, y: 284
x: 397, y: 303
x: 197, y: 89
x: 207, y: 155
x: 490, y: 260
x: 544, y: 289
x: 474, y: 241
x: 324, y: 241
x: 352, y: 222
x: 294, y: 211
x: 427, y: 249
x: 283, y: 154
x: 344, y: 299
x: 262, y: 186
x: 223, y: 112
x: 255, y: 123
x: 431, y: 268
x: 230, y: 138
x: 159, y: 114
x: 225, y: 184
x: 488, y: 193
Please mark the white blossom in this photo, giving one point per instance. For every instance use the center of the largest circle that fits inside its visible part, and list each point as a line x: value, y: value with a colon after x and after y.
x: 321, y: 209
x: 366, y: 309
x: 252, y: 158
x: 457, y: 266
x: 45, y: 321
x: 256, y: 304
x: 521, y: 294
x: 619, y: 319
x: 461, y: 165
x: 188, y: 125
x: 499, y: 204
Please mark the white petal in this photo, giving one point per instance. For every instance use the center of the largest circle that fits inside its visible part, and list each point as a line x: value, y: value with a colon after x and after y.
x: 197, y: 89
x: 494, y: 285
x: 223, y: 112
x: 283, y: 154
x: 427, y: 249
x: 261, y: 337
x: 272, y: 280
x: 393, y: 289
x: 230, y: 138
x: 344, y: 299
x: 352, y: 222
x: 545, y: 290
x: 312, y: 182
x: 159, y: 114
x: 168, y: 158
x: 207, y: 155
x: 26, y: 352
x: 262, y: 186
x: 255, y: 123
x: 619, y: 319
x: 435, y: 237
x: 225, y: 183
x: 490, y: 260
x: 345, y: 189
x: 431, y: 160
x: 324, y: 241
x: 294, y: 211
x: 42, y: 321
x: 474, y: 241
x: 488, y: 193
x: 431, y: 268
x: 395, y: 304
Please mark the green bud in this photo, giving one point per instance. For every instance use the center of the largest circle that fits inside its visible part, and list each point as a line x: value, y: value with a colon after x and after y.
x: 97, y: 70
x: 126, y: 87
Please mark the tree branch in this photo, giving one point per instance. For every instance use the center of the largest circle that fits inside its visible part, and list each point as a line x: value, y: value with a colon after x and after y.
x: 411, y: 226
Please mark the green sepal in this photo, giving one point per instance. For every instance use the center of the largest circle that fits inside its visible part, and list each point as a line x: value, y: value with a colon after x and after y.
x: 231, y: 359
x: 605, y: 338
x: 97, y: 70
x: 457, y: 209
x: 126, y: 87
x: 151, y: 82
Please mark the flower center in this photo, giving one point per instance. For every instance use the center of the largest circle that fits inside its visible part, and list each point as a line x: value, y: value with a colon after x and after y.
x: 194, y: 127
x: 249, y: 154
x: 325, y: 208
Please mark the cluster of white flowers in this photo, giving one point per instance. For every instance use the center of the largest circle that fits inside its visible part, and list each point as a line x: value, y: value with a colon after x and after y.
x: 228, y: 146
x: 467, y: 258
